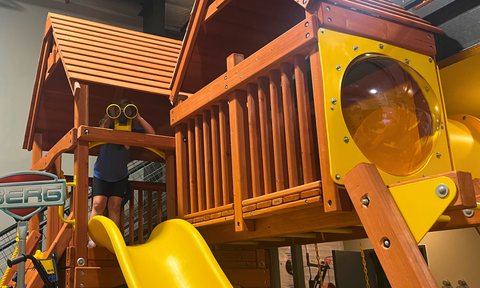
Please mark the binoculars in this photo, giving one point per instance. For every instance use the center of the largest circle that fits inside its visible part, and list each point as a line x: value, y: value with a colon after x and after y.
x: 122, y: 116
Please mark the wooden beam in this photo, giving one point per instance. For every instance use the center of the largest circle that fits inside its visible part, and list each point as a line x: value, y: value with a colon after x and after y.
x: 54, y: 223
x: 95, y: 134
x: 182, y: 170
x: 258, y: 64
x: 194, y: 25
x: 94, y: 277
x: 214, y: 8
x: 68, y: 142
x: 34, y: 223
x: 286, y: 192
x: 391, y: 238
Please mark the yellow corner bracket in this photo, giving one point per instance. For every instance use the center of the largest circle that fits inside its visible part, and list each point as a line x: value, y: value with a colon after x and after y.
x: 422, y: 203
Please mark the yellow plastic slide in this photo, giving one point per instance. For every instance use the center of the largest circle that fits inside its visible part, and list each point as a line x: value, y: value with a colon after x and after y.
x: 175, y: 255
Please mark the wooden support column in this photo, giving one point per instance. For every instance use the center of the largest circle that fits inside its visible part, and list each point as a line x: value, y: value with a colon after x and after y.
x: 80, y: 194
x: 255, y: 141
x: 192, y: 166
x: 182, y: 170
x: 225, y: 151
x: 54, y: 224
x: 34, y: 223
x: 171, y: 184
x: 333, y: 200
x: 238, y: 114
x: 391, y: 238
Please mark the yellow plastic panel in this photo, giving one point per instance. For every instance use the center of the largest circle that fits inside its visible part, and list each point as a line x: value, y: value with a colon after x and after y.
x: 464, y: 133
x: 420, y: 205
x: 338, y: 51
x: 174, y: 256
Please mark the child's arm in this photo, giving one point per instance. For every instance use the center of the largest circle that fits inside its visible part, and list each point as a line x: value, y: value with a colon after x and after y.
x: 145, y: 125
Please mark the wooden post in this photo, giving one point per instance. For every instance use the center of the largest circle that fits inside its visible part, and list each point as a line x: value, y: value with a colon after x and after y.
x: 34, y: 223
x: 331, y: 196
x: 54, y: 224
x: 391, y: 238
x: 264, y: 116
x: 182, y: 170
x: 255, y: 141
x: 80, y: 195
x: 238, y: 113
x: 226, y: 158
x: 171, y: 183
x: 216, y: 156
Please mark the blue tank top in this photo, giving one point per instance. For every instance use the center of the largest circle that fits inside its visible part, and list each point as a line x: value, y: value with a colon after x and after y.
x: 111, y: 164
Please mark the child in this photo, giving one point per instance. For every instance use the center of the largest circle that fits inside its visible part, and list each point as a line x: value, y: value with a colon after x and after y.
x: 110, y: 170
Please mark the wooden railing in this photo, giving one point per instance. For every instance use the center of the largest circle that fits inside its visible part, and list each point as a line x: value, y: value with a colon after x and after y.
x: 257, y: 141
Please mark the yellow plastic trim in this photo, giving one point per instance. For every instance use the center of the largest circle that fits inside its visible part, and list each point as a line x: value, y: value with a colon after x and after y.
x: 444, y: 219
x: 337, y: 49
x: 420, y: 205
x: 60, y: 214
x: 175, y: 256
x: 464, y: 135
x: 156, y: 151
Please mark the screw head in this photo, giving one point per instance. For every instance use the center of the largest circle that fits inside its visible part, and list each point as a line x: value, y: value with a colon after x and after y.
x: 184, y: 139
x: 82, y: 285
x: 439, y: 155
x: 468, y: 213
x: 261, y: 264
x: 87, y: 131
x: 337, y: 177
x: 82, y: 272
x: 332, y: 108
x: 80, y: 261
x: 322, y: 31
x: 306, y: 24
x: 225, y: 77
x: 386, y: 243
x: 306, y: 201
x: 329, y: 19
x: 328, y: 8
x: 355, y: 48
x: 430, y: 60
x: 338, y: 67
x: 346, y: 139
x: 365, y: 201
x: 407, y: 61
x: 226, y: 87
x: 381, y: 46
x: 308, y: 35
x: 304, y: 1
x: 442, y: 191
x: 334, y: 101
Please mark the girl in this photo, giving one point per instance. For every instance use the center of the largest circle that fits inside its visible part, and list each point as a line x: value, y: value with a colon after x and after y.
x: 110, y: 170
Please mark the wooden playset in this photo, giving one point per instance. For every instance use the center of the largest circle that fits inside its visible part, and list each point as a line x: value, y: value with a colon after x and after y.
x: 293, y: 122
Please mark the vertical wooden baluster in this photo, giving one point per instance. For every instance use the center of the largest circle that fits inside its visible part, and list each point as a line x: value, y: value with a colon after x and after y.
x: 291, y: 129
x: 150, y: 212
x: 181, y: 146
x: 122, y: 221
x: 131, y: 221
x: 238, y: 113
x: 278, y: 131
x: 227, y: 184
x: 192, y: 166
x: 159, y: 207
x: 171, y: 183
x: 255, y: 141
x: 304, y: 119
x: 200, y: 162
x: 266, y: 133
x: 140, y: 216
x: 207, y: 149
x: 216, y: 157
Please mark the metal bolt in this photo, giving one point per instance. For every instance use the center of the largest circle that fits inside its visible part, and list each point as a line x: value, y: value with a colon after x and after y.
x: 80, y: 261
x: 87, y: 131
x: 329, y: 19
x: 428, y: 36
x: 261, y: 264
x: 226, y: 86
x: 439, y: 155
x: 322, y: 31
x: 223, y: 78
x: 386, y: 243
x: 82, y: 285
x: 304, y: 1
x: 265, y: 282
x: 355, y: 48
x: 334, y: 101
x: 328, y: 8
x: 251, y: 213
x: 431, y: 48
x: 442, y: 190
x: 332, y: 108
x: 337, y: 177
x: 407, y: 61
x: 329, y: 202
x: 306, y: 24
x: 338, y: 67
x: 306, y: 201
x: 381, y: 46
x: 365, y: 201
x: 82, y: 272
x: 346, y: 139
x: 184, y: 139
x: 308, y: 35
x: 430, y: 60
x: 468, y: 213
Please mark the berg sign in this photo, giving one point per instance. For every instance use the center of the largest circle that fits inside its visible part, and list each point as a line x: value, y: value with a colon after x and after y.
x: 24, y: 194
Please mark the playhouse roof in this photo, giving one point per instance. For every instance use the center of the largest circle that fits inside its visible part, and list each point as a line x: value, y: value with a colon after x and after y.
x: 230, y: 26
x: 115, y: 62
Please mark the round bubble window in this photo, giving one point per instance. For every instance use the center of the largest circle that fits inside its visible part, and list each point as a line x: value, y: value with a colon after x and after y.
x: 391, y: 113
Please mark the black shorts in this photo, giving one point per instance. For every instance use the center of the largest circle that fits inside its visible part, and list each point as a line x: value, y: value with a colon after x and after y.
x: 108, y: 189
